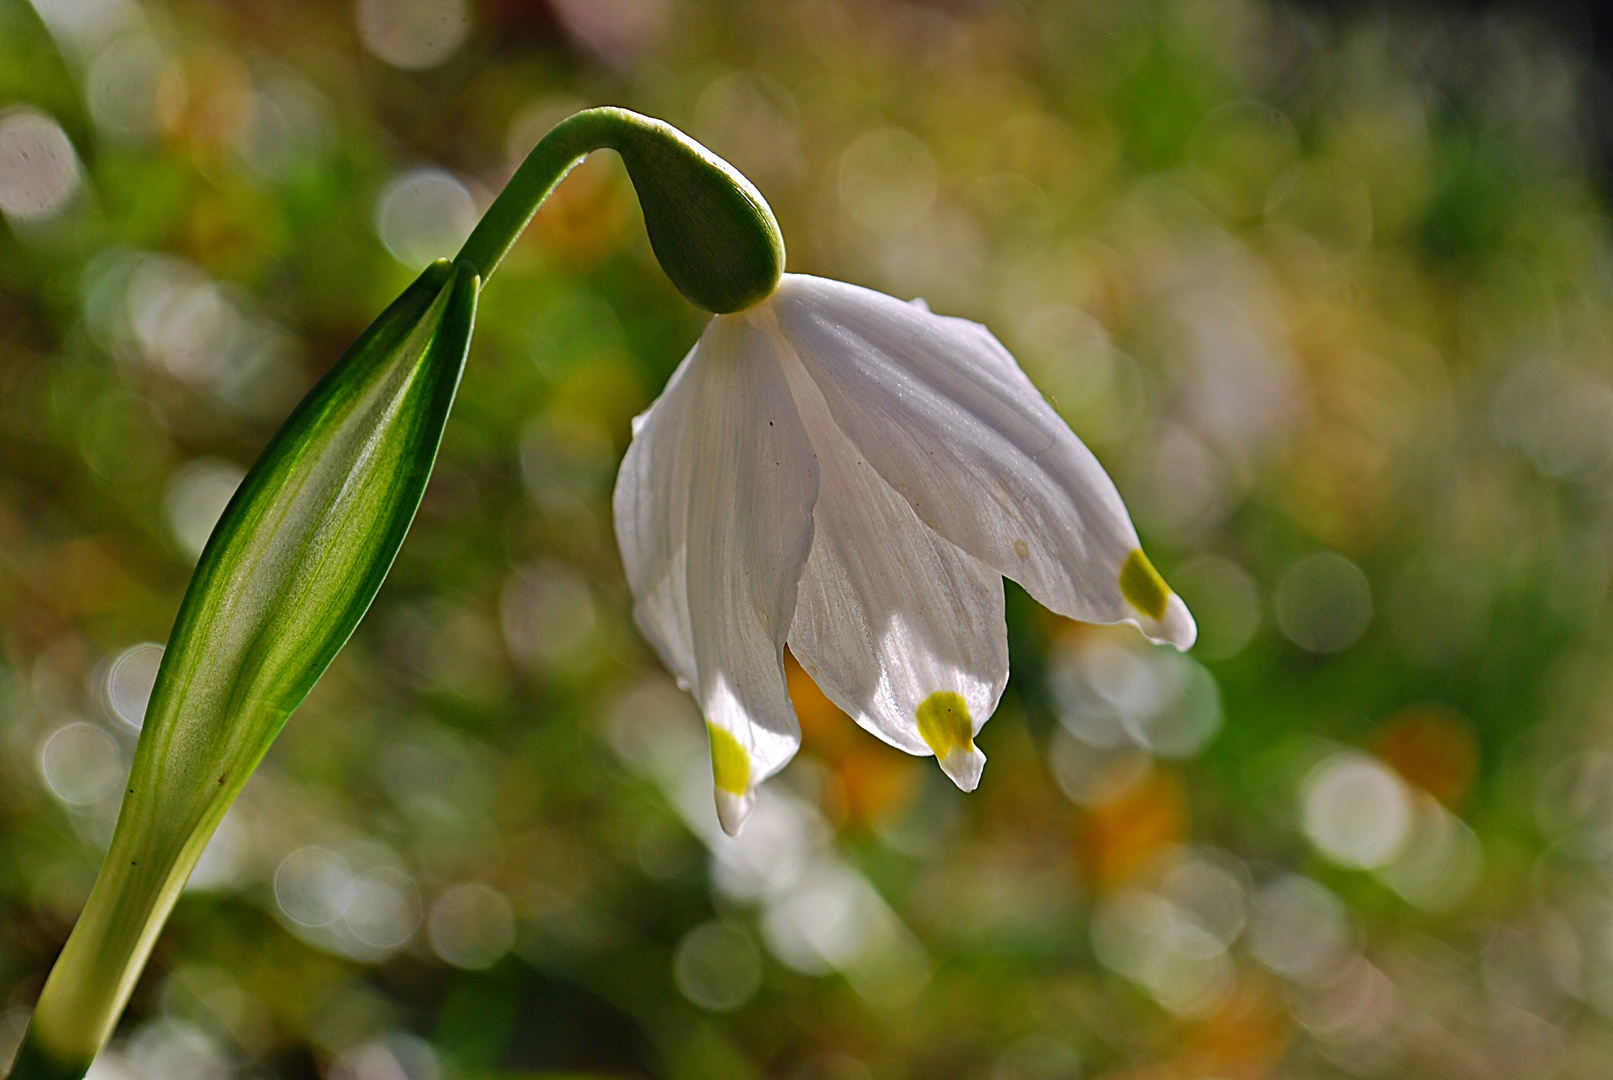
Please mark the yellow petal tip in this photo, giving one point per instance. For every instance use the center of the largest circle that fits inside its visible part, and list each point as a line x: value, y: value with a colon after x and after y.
x: 1142, y: 586
x: 730, y: 769
x: 945, y: 727
x: 730, y: 762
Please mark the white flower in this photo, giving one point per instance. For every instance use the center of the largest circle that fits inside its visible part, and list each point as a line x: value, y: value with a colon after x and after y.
x: 853, y: 476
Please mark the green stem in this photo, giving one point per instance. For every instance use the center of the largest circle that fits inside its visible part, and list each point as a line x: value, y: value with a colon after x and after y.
x: 560, y: 151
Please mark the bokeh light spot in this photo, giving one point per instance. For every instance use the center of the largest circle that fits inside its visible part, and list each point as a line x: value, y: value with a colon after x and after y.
x: 313, y: 886
x: 472, y: 926
x: 1356, y: 1006
x: 887, y: 180
x: 424, y: 214
x: 1324, y: 603
x: 38, y: 170
x: 196, y: 497
x: 126, y: 86
x: 176, y: 1050
x: 129, y: 680
x: 1433, y: 747
x: 385, y: 909
x: 1163, y: 949
x: 81, y: 764
x: 547, y: 615
x: 1298, y: 928
x: 1068, y: 353
x: 84, y: 24
x: 614, y: 31
x: 1162, y: 702
x: 1560, y: 417
x: 396, y: 1056
x: 413, y: 34
x: 1440, y: 861
x: 211, y: 999
x: 1225, y: 602
x: 1356, y: 811
x: 717, y: 966
x: 226, y: 858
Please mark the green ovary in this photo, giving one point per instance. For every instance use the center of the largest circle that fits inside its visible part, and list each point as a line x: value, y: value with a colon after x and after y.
x: 730, y: 764
x: 944, y: 723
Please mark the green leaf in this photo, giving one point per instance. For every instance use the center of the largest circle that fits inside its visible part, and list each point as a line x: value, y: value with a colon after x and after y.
x: 288, y: 573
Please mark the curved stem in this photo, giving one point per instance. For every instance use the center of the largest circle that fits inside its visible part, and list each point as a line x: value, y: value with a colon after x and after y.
x: 573, y: 139
x: 713, y: 233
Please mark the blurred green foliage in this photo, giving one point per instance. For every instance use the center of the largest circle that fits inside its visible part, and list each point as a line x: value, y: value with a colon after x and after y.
x: 1328, y: 296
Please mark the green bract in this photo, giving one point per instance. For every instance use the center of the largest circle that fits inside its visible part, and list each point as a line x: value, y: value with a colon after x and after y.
x: 290, y: 569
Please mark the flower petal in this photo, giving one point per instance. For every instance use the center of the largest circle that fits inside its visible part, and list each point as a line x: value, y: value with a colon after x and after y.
x: 891, y: 616
x: 944, y: 414
x: 713, y: 511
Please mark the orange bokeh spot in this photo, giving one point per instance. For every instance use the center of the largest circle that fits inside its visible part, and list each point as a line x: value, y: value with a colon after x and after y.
x: 82, y: 576
x: 872, y: 779
x: 1134, y: 815
x: 1433, y: 747
x: 826, y: 732
x: 589, y: 215
x: 1243, y: 1038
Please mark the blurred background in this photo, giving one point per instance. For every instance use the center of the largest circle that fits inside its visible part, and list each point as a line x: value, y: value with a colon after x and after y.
x: 1328, y: 291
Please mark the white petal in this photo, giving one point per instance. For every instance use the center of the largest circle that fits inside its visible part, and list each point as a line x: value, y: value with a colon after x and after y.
x: 947, y: 418
x: 652, y: 487
x: 732, y: 809
x: 964, y: 765
x: 713, y: 511
x: 889, y: 613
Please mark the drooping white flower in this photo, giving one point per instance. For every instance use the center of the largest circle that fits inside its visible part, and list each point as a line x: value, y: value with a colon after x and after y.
x: 851, y: 475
